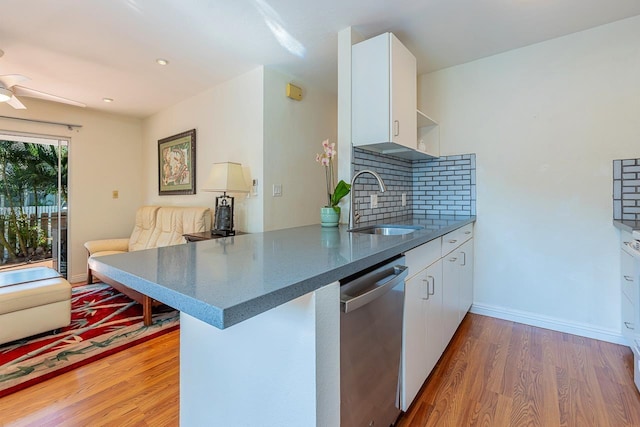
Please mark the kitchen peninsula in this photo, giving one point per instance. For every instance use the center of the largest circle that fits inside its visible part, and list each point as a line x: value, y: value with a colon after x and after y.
x: 259, y: 336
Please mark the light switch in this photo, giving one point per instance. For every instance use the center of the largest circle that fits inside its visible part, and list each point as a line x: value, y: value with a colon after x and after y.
x: 374, y: 201
x: 114, y: 194
x: 277, y: 190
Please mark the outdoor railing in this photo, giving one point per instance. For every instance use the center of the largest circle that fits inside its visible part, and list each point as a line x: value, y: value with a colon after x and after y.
x: 25, y: 237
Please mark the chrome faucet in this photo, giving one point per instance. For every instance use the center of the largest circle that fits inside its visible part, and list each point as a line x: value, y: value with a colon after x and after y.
x: 354, y: 217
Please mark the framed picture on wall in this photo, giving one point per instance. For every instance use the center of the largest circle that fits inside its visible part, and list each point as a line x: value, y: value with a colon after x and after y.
x: 177, y: 164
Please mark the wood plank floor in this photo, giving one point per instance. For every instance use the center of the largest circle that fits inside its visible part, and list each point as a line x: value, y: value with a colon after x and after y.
x: 494, y: 373
x: 500, y: 373
x: 138, y: 386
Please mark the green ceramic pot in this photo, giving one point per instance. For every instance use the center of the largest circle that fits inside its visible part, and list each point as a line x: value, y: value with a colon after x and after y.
x: 329, y: 217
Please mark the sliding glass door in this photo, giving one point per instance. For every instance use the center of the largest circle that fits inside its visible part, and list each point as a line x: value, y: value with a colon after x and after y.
x: 33, y: 201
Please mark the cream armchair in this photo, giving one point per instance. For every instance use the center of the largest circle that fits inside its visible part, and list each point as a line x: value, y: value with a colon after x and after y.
x: 107, y: 246
x: 155, y: 226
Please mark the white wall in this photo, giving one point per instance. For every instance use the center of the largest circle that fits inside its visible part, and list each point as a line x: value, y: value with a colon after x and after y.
x: 546, y: 121
x: 283, y: 364
x: 229, y: 127
x: 293, y: 133
x: 104, y: 155
x: 250, y: 120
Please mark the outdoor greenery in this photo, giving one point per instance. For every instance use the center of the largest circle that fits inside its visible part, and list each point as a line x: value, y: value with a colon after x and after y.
x: 28, y: 177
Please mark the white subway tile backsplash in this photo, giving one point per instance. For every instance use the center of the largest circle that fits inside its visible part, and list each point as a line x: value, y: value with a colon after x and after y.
x: 451, y: 181
x: 626, y: 189
x: 444, y: 186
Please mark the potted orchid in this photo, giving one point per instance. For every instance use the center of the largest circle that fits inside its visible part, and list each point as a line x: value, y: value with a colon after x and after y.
x: 330, y: 214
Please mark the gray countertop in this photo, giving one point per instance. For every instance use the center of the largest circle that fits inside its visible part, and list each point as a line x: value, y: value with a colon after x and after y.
x: 225, y: 281
x: 626, y: 225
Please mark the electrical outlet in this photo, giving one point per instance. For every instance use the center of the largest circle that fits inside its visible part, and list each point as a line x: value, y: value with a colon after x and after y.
x: 277, y: 190
x: 374, y: 201
x: 404, y: 199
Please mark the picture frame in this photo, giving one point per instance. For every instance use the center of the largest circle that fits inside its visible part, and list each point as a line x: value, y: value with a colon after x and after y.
x: 177, y: 164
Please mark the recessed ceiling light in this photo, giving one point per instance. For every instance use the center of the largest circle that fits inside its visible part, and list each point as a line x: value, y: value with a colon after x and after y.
x: 161, y: 61
x: 107, y: 99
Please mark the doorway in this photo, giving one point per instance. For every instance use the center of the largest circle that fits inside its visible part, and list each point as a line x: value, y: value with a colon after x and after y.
x: 33, y: 201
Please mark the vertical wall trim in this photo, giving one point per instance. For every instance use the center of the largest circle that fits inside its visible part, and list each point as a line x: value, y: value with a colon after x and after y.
x: 346, y: 38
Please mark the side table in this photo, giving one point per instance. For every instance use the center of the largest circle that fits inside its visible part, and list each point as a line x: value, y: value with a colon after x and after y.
x: 205, y: 235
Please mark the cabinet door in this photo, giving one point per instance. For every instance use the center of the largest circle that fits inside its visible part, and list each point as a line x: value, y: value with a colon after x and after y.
x: 403, y: 95
x: 435, y: 343
x: 465, y: 261
x: 370, y: 91
x: 450, y: 295
x: 383, y: 92
x: 414, y: 337
x: 629, y: 276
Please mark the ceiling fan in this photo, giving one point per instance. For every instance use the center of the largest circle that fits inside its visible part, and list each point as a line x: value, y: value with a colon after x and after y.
x: 9, y: 89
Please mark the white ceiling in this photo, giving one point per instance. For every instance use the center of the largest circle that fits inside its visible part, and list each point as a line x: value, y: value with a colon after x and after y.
x: 88, y: 50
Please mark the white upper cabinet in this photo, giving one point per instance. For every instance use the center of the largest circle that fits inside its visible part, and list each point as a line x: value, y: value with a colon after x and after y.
x: 384, y: 97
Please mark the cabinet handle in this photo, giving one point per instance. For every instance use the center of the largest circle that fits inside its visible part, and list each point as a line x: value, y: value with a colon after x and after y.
x: 464, y: 258
x: 426, y: 280
x: 628, y: 278
x: 396, y: 128
x: 627, y: 325
x: 467, y: 232
x: 452, y: 241
x: 433, y: 283
x: 452, y: 259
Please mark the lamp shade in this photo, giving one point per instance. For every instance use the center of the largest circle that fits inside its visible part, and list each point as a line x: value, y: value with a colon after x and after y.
x: 226, y: 177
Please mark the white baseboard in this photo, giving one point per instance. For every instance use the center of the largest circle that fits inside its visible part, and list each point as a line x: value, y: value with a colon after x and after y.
x: 560, y: 325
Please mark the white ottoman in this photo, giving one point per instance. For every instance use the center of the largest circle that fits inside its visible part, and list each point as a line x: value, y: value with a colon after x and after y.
x: 32, y: 301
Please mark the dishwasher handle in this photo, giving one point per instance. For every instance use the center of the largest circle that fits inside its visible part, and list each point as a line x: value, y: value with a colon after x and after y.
x: 351, y: 304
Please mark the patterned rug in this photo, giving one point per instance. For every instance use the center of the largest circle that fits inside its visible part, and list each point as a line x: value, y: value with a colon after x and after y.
x: 103, y: 322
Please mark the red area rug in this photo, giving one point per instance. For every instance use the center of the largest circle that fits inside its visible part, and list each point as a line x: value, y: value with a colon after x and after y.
x: 103, y: 322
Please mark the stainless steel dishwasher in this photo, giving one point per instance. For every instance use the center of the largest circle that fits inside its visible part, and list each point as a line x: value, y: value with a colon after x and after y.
x: 371, y: 344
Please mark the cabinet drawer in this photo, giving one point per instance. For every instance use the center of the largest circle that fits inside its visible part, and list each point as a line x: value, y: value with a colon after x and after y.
x: 628, y: 276
x: 628, y: 286
x: 417, y: 259
x: 628, y: 318
x: 457, y: 237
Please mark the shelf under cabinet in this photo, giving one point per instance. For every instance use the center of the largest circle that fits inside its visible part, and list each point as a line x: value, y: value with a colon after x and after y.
x: 424, y: 120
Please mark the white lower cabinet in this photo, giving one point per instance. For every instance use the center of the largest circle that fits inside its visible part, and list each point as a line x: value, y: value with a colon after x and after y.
x: 433, y: 308
x: 438, y: 294
x: 457, y: 295
x: 465, y: 261
x: 450, y: 295
x: 630, y: 273
x: 422, y: 335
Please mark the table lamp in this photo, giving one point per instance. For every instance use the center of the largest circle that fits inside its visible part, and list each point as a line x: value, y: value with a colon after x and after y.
x: 225, y: 177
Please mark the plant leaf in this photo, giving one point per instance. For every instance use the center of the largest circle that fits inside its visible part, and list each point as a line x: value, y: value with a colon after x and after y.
x: 342, y: 189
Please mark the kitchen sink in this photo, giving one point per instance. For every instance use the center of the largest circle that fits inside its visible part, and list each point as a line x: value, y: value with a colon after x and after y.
x: 387, y: 229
